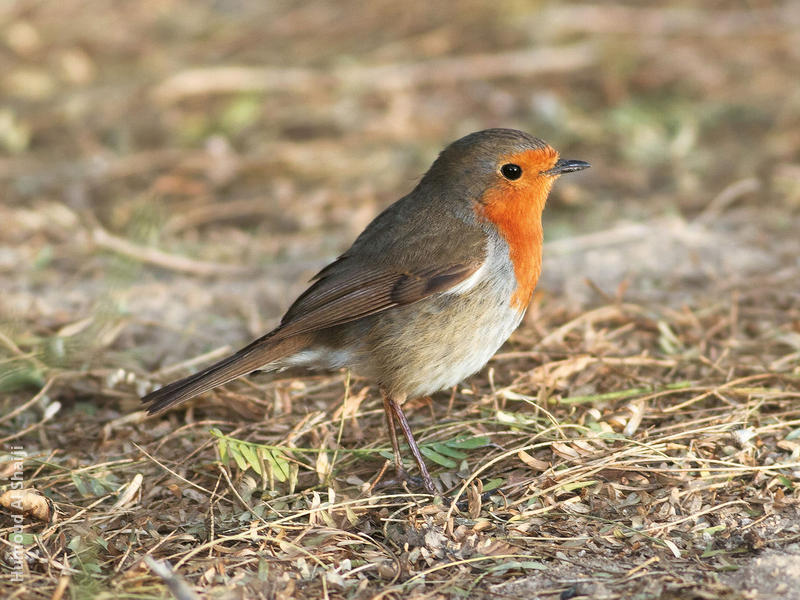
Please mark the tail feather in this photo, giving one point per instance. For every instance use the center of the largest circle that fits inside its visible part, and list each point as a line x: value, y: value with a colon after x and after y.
x: 254, y: 356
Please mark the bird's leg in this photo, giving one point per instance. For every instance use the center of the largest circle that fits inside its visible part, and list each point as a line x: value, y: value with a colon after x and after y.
x: 398, y: 463
x: 401, y: 419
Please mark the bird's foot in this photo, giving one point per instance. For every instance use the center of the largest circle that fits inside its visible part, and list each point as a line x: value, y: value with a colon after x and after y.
x: 402, y: 478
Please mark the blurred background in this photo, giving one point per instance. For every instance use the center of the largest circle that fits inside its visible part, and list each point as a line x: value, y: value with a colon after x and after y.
x: 191, y: 164
x: 172, y: 172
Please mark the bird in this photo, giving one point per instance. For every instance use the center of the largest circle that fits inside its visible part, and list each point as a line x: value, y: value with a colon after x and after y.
x: 427, y: 293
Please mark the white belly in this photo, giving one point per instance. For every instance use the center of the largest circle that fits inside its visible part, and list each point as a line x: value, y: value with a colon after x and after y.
x: 465, y: 356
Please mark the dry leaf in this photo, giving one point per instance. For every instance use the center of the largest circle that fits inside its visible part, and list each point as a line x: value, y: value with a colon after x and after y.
x: 28, y: 502
x: 565, y: 451
x: 533, y: 463
x: 474, y: 500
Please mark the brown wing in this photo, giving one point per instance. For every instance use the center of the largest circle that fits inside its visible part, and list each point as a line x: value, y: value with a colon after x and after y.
x: 397, y: 260
x: 334, y: 300
x: 415, y: 248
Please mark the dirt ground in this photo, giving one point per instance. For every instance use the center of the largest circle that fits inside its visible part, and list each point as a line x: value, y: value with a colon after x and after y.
x: 173, y: 172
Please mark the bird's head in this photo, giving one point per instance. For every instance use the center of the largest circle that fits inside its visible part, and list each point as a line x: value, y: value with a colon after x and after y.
x: 501, y: 178
x: 499, y: 166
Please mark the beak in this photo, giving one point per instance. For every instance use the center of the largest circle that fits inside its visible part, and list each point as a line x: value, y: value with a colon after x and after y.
x: 567, y: 165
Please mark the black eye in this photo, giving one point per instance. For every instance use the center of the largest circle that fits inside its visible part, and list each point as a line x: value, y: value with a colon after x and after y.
x: 511, y: 171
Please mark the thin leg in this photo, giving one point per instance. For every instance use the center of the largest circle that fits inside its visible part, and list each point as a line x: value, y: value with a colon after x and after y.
x: 398, y: 463
x: 401, y: 419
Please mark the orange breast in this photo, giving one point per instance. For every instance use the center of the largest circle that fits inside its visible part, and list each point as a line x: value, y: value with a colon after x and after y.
x: 515, y: 208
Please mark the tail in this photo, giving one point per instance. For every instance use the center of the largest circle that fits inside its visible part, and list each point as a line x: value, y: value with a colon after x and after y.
x: 259, y: 353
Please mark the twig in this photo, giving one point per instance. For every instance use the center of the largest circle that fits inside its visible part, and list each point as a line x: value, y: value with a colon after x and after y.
x: 604, y: 313
x: 207, y: 213
x: 25, y: 405
x: 171, y: 472
x: 179, y: 588
x: 63, y: 582
x: 105, y: 240
x: 9, y: 343
x: 49, y: 412
x: 389, y: 77
x: 727, y: 197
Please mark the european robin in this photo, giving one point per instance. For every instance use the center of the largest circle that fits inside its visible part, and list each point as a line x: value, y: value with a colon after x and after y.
x: 430, y: 289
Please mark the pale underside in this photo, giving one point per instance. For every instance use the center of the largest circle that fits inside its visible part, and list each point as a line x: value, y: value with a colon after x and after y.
x: 430, y: 345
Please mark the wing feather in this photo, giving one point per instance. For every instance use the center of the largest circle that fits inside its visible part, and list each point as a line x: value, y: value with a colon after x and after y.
x: 329, y: 303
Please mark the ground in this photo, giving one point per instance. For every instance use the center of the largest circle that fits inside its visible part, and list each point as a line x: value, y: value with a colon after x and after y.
x: 173, y: 172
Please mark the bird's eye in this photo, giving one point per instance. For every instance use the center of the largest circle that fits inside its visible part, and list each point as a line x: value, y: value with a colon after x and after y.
x: 511, y: 171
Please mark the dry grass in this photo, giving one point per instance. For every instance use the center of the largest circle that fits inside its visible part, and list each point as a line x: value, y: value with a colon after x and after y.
x: 668, y: 466
x: 638, y: 437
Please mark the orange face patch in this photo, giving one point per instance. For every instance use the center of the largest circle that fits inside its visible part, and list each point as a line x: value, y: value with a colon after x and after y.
x: 515, y: 208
